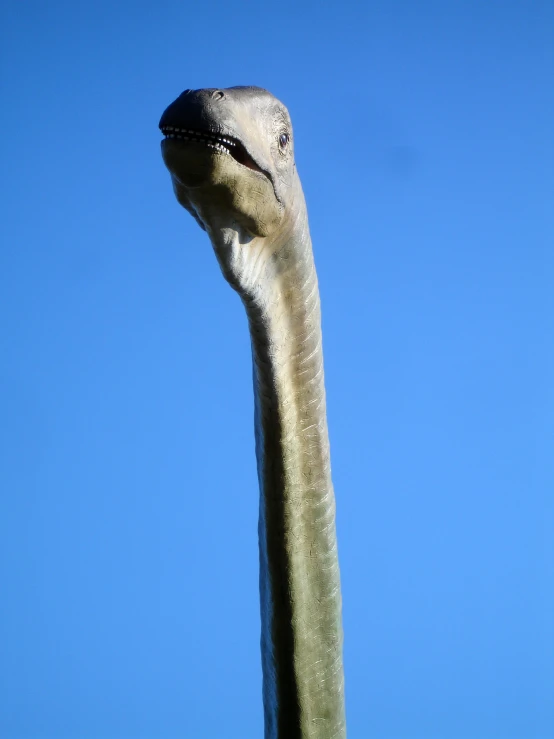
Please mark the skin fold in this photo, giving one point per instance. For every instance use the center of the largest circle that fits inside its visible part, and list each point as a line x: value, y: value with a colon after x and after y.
x: 230, y: 154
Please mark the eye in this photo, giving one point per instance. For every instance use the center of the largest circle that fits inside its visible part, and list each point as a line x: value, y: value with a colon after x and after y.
x: 283, y: 140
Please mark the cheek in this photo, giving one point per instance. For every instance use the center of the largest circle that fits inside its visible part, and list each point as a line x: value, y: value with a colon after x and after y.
x: 257, y: 207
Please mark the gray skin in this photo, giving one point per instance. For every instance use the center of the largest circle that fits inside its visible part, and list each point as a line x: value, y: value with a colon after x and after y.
x: 231, y: 159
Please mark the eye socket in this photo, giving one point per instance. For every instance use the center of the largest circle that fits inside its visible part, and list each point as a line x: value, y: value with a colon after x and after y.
x: 283, y: 140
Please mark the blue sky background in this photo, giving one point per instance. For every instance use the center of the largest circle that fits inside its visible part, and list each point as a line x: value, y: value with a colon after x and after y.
x: 128, y: 508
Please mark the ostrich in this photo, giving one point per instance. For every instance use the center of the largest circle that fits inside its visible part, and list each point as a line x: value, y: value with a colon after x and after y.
x: 231, y: 159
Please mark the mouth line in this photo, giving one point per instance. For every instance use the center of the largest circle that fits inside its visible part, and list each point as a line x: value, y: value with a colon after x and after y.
x: 227, y: 145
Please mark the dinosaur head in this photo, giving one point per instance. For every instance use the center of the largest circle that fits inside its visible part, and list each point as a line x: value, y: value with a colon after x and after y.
x: 230, y: 156
x: 230, y: 151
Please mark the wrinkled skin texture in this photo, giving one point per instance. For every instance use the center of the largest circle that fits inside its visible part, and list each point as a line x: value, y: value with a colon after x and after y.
x: 239, y: 181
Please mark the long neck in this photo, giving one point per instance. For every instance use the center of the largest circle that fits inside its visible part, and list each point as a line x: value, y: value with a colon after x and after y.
x: 299, y: 574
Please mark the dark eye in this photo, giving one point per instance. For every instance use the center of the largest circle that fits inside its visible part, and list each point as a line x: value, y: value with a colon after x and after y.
x: 283, y: 140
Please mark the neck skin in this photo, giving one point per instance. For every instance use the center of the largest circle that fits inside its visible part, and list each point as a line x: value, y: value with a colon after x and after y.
x: 299, y: 575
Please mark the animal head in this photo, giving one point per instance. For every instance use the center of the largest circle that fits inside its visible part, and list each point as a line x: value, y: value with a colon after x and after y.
x: 230, y: 153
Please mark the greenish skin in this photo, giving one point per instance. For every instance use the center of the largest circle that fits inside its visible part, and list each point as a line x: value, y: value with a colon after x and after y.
x: 230, y: 154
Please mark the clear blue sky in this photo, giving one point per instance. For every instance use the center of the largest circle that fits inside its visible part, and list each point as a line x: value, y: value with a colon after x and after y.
x: 128, y: 509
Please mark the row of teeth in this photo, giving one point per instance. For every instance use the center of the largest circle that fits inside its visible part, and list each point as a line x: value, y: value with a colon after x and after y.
x: 214, y: 142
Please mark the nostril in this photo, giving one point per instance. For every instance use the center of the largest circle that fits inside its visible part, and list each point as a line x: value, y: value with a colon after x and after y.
x: 218, y: 94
